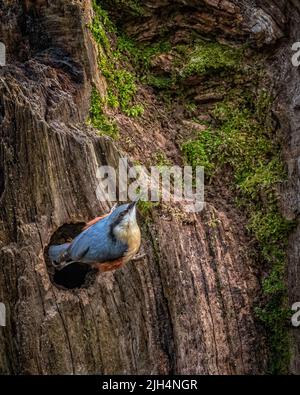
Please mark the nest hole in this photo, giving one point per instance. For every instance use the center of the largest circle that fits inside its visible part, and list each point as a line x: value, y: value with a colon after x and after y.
x: 77, y: 274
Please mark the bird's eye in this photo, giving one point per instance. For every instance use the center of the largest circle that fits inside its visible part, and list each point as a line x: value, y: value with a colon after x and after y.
x: 121, y: 216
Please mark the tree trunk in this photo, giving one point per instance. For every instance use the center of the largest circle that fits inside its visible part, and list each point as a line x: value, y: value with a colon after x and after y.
x: 188, y: 305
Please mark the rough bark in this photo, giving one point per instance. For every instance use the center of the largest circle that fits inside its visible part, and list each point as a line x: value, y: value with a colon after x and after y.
x: 187, y: 307
x: 287, y: 110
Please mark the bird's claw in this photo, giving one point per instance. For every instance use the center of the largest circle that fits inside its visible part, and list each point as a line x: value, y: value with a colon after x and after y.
x: 138, y: 257
x: 57, y: 266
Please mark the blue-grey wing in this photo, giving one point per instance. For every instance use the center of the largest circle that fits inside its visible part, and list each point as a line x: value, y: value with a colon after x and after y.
x: 96, y: 244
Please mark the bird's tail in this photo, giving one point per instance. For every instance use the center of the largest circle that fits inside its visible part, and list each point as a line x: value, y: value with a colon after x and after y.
x: 57, y: 255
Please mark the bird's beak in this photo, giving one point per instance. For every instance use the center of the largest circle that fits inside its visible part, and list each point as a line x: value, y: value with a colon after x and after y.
x: 132, y: 205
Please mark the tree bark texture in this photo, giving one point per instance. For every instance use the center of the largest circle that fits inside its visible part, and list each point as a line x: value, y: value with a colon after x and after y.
x: 188, y: 305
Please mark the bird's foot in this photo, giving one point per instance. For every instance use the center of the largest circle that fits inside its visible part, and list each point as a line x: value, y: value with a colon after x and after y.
x: 56, y: 265
x: 138, y: 257
x: 60, y: 266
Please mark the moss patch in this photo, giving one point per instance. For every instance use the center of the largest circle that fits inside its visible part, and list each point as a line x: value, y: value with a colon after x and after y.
x: 99, y: 119
x: 210, y: 58
x: 146, y: 208
x: 140, y: 55
x: 121, y: 81
x: 131, y: 7
x: 241, y: 140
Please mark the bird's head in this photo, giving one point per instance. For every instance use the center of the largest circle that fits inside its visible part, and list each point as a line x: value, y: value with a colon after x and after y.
x: 123, y: 220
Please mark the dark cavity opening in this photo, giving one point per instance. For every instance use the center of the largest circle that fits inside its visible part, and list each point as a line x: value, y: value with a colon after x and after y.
x: 77, y: 274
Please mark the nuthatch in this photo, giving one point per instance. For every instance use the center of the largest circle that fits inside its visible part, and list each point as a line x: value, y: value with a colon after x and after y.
x: 106, y: 243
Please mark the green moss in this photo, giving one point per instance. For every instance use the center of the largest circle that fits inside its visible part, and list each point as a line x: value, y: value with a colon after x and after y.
x: 98, y: 119
x: 121, y: 82
x: 269, y: 227
x: 237, y: 139
x: 241, y: 139
x: 132, y: 7
x: 211, y: 57
x: 159, y: 82
x: 122, y: 87
x: 201, y: 152
x: 146, y: 208
x: 275, y: 316
x: 205, y: 58
x: 101, y: 25
x: 191, y: 107
x: 140, y: 55
x: 160, y: 159
x: 135, y: 111
x: 262, y: 179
